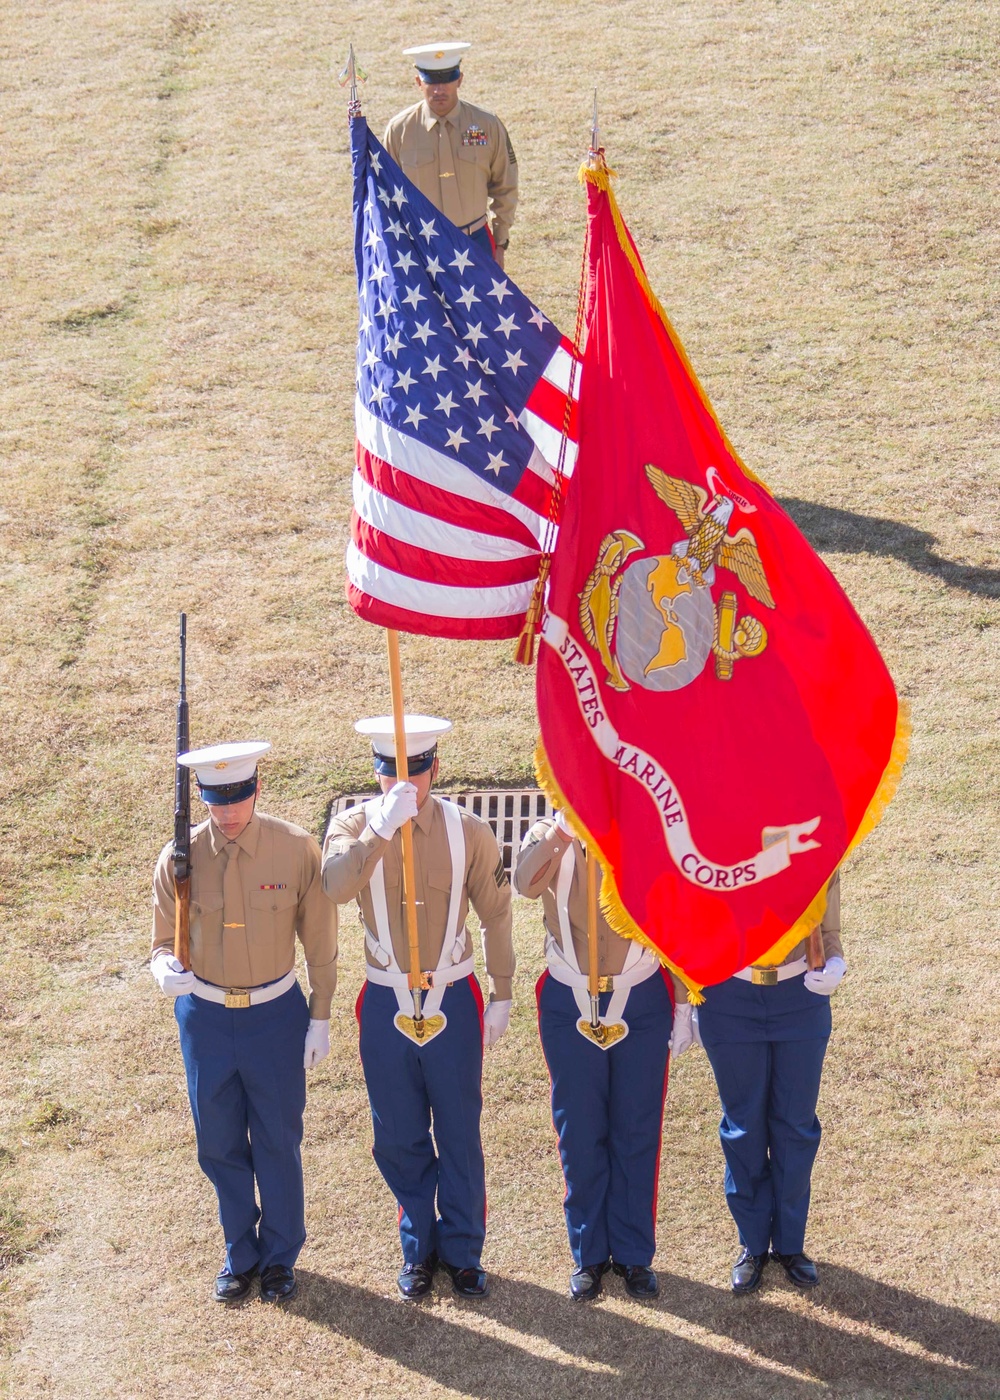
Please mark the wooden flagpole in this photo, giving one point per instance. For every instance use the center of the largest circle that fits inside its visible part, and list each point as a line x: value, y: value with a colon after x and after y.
x: 593, y: 974
x: 403, y: 776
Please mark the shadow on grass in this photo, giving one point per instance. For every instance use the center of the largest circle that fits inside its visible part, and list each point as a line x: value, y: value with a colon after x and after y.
x: 844, y: 532
x: 646, y: 1355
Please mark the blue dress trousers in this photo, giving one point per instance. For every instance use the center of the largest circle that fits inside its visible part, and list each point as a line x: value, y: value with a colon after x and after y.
x: 607, y: 1107
x: 441, y: 1193
x: 247, y: 1088
x: 766, y: 1047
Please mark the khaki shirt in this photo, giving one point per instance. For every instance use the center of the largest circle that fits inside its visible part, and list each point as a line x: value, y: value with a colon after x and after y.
x: 351, y: 852
x: 282, y: 895
x: 829, y: 928
x: 537, y: 873
x: 464, y: 163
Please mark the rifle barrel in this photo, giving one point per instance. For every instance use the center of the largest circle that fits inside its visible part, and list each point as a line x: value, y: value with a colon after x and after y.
x: 182, y: 818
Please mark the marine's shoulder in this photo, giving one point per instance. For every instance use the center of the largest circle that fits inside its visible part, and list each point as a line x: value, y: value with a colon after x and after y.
x: 350, y: 822
x: 469, y: 113
x: 201, y: 840
x: 539, y: 827
x: 285, y: 831
x: 405, y: 118
x: 478, y: 827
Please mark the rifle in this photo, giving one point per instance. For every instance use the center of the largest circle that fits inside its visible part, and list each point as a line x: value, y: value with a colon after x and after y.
x: 182, y: 823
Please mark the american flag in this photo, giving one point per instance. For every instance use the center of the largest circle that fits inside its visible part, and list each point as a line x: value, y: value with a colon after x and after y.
x: 462, y: 388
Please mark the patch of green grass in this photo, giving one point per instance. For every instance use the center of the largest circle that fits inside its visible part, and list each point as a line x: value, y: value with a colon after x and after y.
x: 82, y: 318
x: 51, y: 1114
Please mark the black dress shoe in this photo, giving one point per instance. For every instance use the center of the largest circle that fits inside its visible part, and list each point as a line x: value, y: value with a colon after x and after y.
x: 233, y: 1288
x: 640, y: 1281
x: 469, y: 1283
x: 417, y: 1280
x: 277, y: 1284
x: 799, y: 1267
x: 585, y: 1282
x: 747, y: 1271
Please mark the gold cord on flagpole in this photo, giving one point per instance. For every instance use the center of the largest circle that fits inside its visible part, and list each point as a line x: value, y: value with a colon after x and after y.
x: 416, y: 976
x: 524, y: 652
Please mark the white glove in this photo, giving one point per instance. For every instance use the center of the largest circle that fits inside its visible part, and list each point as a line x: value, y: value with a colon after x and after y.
x: 388, y: 812
x: 682, y: 1036
x: 496, y: 1019
x: 562, y: 825
x: 317, y: 1043
x: 170, y: 976
x: 826, y: 980
x: 696, y: 1029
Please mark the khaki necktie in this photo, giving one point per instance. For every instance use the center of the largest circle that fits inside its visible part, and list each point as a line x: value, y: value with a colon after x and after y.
x: 235, y: 955
x: 451, y: 203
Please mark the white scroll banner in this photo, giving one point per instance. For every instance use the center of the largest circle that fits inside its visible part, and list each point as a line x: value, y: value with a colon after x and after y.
x: 779, y: 843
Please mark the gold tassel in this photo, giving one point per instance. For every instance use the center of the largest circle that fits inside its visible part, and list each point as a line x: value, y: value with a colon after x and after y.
x: 524, y: 652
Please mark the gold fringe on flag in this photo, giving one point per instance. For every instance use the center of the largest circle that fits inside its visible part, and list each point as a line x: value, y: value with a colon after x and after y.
x: 614, y: 911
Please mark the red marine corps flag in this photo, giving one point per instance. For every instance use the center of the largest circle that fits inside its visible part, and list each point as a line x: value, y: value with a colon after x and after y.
x: 714, y: 714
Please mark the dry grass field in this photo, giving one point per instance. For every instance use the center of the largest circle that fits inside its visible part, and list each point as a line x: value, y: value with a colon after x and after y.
x: 813, y: 188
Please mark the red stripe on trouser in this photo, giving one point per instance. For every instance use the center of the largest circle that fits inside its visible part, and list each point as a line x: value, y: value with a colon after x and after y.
x: 538, y: 1004
x: 477, y: 993
x: 666, y: 1077
x: 357, y: 1017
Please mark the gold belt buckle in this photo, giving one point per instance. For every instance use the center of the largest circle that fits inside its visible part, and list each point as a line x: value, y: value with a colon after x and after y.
x: 764, y: 976
x: 605, y: 984
x: 237, y: 999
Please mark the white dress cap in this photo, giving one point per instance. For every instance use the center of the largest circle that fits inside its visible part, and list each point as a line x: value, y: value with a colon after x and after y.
x: 422, y: 733
x: 437, y: 58
x: 224, y: 763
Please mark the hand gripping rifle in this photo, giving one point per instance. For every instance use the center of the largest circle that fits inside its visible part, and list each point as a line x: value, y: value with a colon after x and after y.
x: 182, y: 823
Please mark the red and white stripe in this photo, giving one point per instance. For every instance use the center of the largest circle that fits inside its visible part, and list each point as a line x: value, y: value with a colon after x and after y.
x: 437, y: 550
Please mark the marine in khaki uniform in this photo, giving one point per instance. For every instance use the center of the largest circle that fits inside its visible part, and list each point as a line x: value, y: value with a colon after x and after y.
x: 607, y: 1102
x: 458, y: 155
x: 246, y: 1034
x: 765, y: 1032
x: 436, y: 1082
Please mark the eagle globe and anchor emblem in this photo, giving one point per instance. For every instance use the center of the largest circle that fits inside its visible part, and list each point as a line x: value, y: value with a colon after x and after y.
x: 653, y: 620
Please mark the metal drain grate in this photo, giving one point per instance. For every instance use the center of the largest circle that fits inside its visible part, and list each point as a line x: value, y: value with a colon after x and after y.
x: 511, y: 812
